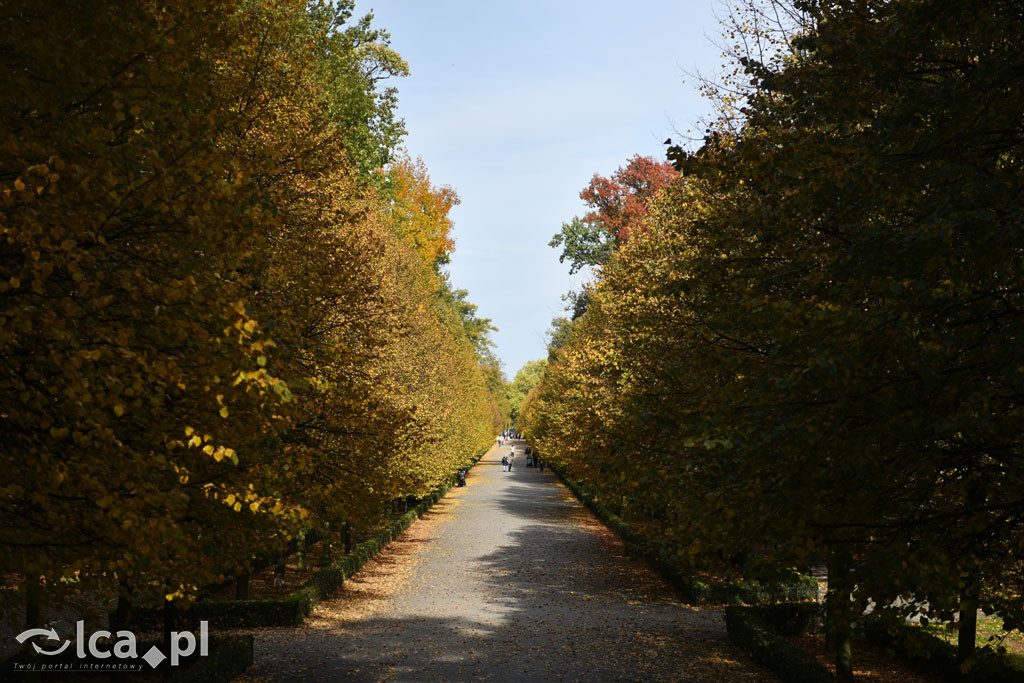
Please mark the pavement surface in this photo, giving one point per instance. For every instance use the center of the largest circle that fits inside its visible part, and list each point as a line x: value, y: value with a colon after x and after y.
x: 506, y: 579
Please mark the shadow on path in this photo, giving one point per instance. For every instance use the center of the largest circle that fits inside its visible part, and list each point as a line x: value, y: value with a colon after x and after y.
x: 518, y: 582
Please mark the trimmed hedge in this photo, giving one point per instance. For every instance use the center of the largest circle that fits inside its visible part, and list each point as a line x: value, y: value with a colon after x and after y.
x: 932, y: 654
x: 761, y: 631
x: 694, y: 590
x: 292, y: 609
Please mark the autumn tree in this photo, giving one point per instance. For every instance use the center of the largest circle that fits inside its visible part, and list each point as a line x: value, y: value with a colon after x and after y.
x: 805, y: 352
x: 125, y: 324
x: 355, y: 62
x: 617, y: 206
x: 847, y: 222
x: 213, y: 337
x: 526, y: 378
x: 419, y: 210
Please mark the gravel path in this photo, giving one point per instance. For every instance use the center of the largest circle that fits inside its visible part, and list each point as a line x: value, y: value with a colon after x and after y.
x: 507, y: 579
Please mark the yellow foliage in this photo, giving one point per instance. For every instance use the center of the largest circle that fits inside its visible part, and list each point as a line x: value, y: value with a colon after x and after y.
x: 419, y: 210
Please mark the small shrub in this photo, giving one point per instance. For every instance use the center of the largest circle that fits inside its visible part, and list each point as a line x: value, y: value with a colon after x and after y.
x: 751, y: 629
x: 930, y: 653
x: 789, y: 618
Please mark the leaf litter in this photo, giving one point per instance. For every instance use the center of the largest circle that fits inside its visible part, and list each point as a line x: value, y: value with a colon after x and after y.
x: 509, y: 578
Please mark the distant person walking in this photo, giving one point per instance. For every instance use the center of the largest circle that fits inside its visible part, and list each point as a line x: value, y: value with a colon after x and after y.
x: 504, y: 463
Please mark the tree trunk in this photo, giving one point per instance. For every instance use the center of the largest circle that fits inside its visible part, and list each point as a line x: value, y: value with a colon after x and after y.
x: 279, y: 570
x: 348, y: 537
x: 969, y: 594
x: 965, y: 643
x: 34, y: 619
x: 325, y: 546
x: 123, y: 613
x: 33, y: 603
x: 242, y: 585
x: 838, y: 617
x: 300, y: 552
x: 843, y: 652
x: 170, y: 622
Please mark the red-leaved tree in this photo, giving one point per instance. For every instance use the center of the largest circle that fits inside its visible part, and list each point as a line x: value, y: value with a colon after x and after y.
x: 619, y: 202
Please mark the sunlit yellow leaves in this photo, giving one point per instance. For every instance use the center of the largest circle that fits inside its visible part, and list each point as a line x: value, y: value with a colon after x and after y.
x: 176, y: 269
x: 419, y: 210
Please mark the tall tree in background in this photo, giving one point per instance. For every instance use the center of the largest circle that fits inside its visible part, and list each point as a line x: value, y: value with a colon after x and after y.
x: 617, y: 205
x: 419, y: 210
x: 354, y: 61
x: 527, y: 377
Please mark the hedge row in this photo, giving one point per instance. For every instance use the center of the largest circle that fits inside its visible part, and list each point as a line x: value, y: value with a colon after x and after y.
x: 292, y: 609
x: 935, y: 655
x: 694, y: 590
x: 761, y: 631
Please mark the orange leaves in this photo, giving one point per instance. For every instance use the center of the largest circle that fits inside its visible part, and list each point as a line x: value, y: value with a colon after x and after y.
x: 619, y: 203
x: 419, y: 210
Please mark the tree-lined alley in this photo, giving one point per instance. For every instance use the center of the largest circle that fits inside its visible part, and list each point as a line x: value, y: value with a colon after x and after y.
x: 228, y: 334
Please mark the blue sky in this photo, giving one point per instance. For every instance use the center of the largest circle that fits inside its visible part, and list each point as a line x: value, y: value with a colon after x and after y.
x: 517, y: 104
